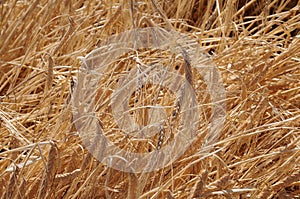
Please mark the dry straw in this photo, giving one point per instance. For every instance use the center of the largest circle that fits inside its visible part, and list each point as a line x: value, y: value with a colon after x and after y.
x: 254, y: 44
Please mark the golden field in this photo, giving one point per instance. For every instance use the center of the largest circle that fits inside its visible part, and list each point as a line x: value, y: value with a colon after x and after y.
x: 255, y: 47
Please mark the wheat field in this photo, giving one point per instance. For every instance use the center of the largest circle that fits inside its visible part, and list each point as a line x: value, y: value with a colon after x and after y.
x: 255, y: 47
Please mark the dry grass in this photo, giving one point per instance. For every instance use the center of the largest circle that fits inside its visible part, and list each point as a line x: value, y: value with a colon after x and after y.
x: 255, y: 45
